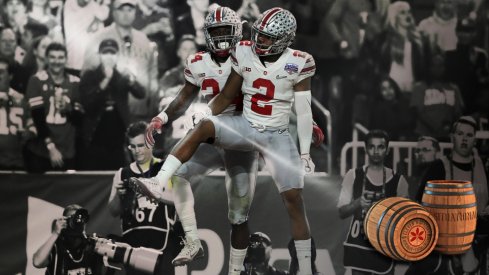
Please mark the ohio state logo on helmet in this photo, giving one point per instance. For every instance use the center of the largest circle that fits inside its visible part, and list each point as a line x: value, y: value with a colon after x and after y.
x: 277, y: 24
x: 221, y: 44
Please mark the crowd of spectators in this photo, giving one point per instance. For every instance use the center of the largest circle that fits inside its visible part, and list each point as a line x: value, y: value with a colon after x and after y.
x: 395, y: 66
x: 410, y: 68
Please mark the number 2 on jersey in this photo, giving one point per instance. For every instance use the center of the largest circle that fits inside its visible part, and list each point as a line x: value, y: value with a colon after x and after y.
x: 214, y: 85
x: 265, y: 110
x: 211, y: 83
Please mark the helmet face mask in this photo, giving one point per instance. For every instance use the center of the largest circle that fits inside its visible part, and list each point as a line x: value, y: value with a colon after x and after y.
x: 273, y: 32
x: 222, y: 30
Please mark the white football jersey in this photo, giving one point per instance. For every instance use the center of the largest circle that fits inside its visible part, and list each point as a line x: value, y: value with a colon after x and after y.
x: 202, y: 71
x: 269, y: 91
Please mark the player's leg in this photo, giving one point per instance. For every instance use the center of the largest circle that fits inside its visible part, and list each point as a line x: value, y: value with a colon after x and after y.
x: 227, y: 133
x: 294, y: 204
x: 154, y: 187
x: 206, y: 159
x: 294, y: 262
x: 283, y: 161
x: 241, y: 169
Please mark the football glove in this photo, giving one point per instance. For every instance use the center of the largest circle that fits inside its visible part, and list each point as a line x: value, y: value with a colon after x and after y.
x: 317, y: 135
x: 307, y: 163
x: 197, y: 117
x: 154, y: 127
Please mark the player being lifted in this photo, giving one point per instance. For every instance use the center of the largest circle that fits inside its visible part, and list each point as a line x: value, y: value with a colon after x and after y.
x: 205, y: 74
x: 272, y: 78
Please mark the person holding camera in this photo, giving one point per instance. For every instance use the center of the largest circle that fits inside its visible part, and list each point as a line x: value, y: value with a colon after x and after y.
x: 68, y: 250
x: 258, y: 256
x: 144, y: 222
x: 362, y: 187
x: 105, y: 94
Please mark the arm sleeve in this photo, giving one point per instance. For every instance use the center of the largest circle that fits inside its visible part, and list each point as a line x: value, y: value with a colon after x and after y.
x: 77, y: 112
x: 346, y: 193
x: 36, y: 105
x: 308, y: 70
x: 302, y: 106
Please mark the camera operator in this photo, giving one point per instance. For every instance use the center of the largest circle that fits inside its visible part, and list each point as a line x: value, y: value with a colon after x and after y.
x: 258, y: 256
x: 361, y: 187
x: 145, y: 223
x: 67, y: 251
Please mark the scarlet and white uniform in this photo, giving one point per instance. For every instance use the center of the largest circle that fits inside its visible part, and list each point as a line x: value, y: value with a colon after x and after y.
x: 241, y: 167
x: 268, y: 91
x: 268, y: 97
x: 203, y: 72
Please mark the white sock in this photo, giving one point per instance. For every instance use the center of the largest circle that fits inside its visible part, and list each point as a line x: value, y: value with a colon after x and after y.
x: 184, y: 204
x: 169, y: 168
x: 189, y: 225
x: 236, y: 259
x: 303, y: 249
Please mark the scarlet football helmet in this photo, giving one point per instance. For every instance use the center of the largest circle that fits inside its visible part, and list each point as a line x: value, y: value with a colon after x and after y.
x: 277, y: 24
x: 223, y: 17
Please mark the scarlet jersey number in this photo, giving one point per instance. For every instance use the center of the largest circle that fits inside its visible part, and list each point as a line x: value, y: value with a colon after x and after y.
x: 211, y: 83
x: 214, y: 85
x: 198, y: 57
x: 265, y: 110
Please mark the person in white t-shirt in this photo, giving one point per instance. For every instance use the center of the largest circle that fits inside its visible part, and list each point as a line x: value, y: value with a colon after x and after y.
x: 81, y: 19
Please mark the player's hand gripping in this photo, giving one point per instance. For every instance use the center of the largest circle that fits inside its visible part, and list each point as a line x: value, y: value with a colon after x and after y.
x: 307, y: 163
x: 317, y: 135
x: 197, y: 117
x: 154, y: 127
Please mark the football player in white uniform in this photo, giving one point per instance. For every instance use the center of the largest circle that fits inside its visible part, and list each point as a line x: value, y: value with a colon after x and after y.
x: 273, y: 78
x: 205, y: 75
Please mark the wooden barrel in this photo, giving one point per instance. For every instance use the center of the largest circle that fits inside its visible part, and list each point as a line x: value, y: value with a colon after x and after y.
x: 452, y: 204
x: 401, y: 229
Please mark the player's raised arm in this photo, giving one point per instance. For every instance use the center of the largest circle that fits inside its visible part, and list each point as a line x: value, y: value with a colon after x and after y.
x: 302, y: 106
x: 230, y: 91
x: 176, y: 108
x: 182, y: 101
